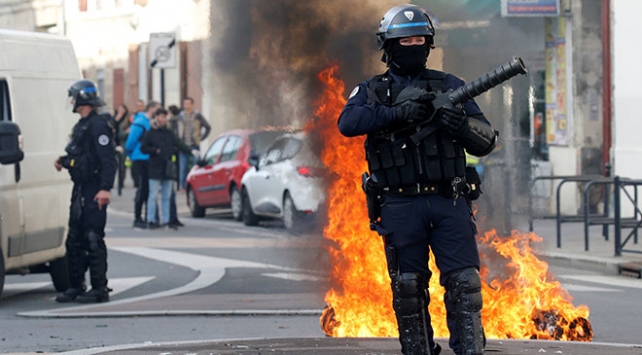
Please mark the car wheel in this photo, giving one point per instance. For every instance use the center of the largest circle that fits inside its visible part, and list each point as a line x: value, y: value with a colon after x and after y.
x: 59, y: 274
x: 196, y: 210
x: 237, y: 204
x: 291, y: 217
x: 249, y: 218
x: 1, y: 271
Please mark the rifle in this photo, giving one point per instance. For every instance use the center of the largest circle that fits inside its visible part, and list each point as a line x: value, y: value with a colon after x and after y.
x: 502, y: 73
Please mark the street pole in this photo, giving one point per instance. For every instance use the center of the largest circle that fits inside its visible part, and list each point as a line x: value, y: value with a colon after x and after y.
x: 162, y: 87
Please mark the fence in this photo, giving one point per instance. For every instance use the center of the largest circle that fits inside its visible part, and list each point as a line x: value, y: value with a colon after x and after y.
x: 618, y: 186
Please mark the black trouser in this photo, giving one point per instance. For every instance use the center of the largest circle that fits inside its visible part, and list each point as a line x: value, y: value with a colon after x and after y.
x: 122, y: 171
x: 85, y: 240
x: 142, y: 192
x: 415, y: 225
x: 173, y: 217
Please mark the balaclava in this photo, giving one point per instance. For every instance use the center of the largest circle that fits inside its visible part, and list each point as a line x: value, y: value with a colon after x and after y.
x: 407, y: 60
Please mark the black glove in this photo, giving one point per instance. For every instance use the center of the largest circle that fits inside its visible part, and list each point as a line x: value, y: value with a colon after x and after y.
x: 410, y: 111
x: 454, y: 119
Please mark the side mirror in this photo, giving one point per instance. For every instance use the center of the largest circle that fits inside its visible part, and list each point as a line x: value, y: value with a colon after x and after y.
x: 10, y: 152
x: 254, y: 161
x: 201, y: 162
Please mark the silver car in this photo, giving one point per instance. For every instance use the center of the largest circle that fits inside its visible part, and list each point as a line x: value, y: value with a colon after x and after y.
x: 286, y: 182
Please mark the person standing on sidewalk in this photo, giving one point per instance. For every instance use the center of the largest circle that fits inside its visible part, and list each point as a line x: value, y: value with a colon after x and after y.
x: 140, y: 160
x: 161, y: 144
x: 91, y: 163
x: 192, y: 128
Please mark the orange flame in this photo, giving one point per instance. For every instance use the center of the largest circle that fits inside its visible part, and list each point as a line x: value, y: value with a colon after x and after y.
x: 521, y: 299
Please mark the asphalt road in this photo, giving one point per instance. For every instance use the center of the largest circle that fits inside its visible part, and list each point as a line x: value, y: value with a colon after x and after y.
x: 216, y: 279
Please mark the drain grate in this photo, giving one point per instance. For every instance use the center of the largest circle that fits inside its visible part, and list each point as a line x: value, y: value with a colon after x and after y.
x: 631, y: 270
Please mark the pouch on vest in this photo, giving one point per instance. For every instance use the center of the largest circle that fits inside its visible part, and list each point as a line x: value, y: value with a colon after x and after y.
x: 473, y: 182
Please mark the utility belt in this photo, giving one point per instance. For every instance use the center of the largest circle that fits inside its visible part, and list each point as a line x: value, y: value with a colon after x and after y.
x: 450, y: 189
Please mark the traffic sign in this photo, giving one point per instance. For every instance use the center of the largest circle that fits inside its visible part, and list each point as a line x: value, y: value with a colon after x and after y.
x: 162, y: 50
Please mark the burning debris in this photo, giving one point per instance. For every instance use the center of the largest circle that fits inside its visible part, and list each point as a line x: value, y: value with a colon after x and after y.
x: 522, y: 300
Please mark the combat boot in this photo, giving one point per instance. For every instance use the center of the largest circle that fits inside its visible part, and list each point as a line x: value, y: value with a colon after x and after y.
x: 70, y: 295
x: 94, y: 296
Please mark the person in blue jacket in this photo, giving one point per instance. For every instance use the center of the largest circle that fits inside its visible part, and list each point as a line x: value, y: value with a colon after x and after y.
x: 140, y: 160
x: 417, y: 165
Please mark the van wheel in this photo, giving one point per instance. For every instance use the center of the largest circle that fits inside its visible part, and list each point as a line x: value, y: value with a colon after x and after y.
x: 59, y: 274
x: 196, y: 210
x: 1, y: 271
x: 237, y: 204
x: 249, y: 218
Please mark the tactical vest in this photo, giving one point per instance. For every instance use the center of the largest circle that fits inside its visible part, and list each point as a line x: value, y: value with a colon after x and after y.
x: 80, y: 160
x: 394, y: 160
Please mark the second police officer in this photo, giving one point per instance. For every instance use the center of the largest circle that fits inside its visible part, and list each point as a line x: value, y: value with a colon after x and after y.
x: 91, y: 162
x: 420, y: 180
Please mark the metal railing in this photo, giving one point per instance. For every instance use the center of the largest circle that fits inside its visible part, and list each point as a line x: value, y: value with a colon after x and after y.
x: 616, y: 220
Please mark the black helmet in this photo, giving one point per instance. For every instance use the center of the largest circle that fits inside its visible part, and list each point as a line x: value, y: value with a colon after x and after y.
x: 405, y: 21
x: 84, y: 92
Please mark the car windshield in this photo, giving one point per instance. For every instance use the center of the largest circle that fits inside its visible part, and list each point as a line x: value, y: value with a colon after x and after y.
x: 261, y: 140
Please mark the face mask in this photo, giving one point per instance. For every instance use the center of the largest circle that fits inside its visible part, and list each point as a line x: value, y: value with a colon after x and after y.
x: 408, y: 59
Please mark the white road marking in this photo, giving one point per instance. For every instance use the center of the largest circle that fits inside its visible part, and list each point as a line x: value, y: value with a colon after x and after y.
x: 211, y: 270
x: 118, y: 285
x: 619, y: 281
x: 293, y: 276
x: 583, y: 288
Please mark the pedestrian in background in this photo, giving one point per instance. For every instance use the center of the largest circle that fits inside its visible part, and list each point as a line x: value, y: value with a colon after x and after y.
x: 174, y: 116
x: 417, y: 188
x: 161, y: 144
x: 191, y: 128
x: 139, y: 113
x: 140, y: 160
x: 91, y: 163
x: 121, y: 126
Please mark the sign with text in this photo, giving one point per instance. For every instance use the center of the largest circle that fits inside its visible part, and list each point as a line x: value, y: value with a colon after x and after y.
x: 521, y: 8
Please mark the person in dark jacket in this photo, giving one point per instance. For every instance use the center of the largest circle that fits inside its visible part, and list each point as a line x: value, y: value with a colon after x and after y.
x: 91, y: 163
x: 416, y: 156
x: 161, y: 144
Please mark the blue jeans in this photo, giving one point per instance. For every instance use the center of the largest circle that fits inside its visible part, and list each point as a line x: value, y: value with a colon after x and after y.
x: 166, y: 191
x: 183, y: 167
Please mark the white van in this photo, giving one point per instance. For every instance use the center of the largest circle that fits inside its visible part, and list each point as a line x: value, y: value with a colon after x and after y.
x: 36, y: 70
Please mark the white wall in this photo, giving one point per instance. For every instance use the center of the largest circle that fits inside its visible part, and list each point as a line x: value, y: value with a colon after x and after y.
x: 627, y: 90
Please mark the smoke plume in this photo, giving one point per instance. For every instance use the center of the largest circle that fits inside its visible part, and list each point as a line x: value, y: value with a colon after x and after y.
x: 267, y: 54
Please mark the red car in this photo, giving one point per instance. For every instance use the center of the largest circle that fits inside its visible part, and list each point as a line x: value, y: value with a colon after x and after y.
x: 216, y: 178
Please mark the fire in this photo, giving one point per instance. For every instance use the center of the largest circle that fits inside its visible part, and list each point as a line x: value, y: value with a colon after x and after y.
x: 522, y: 300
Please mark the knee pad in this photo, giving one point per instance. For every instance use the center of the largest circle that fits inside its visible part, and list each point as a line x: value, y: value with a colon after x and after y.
x: 96, y: 241
x: 463, y: 288
x: 409, y: 292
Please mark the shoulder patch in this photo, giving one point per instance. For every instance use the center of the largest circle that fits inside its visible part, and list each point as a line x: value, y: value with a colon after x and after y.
x: 103, y: 140
x: 354, y: 92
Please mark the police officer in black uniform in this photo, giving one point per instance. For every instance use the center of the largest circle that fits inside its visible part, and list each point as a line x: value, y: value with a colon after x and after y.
x: 91, y: 162
x: 416, y: 162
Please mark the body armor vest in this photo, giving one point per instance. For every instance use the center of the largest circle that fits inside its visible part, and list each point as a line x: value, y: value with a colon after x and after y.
x: 80, y: 160
x: 394, y: 160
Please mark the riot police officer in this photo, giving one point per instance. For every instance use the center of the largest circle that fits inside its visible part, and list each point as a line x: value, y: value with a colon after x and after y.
x: 91, y: 163
x: 416, y: 161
